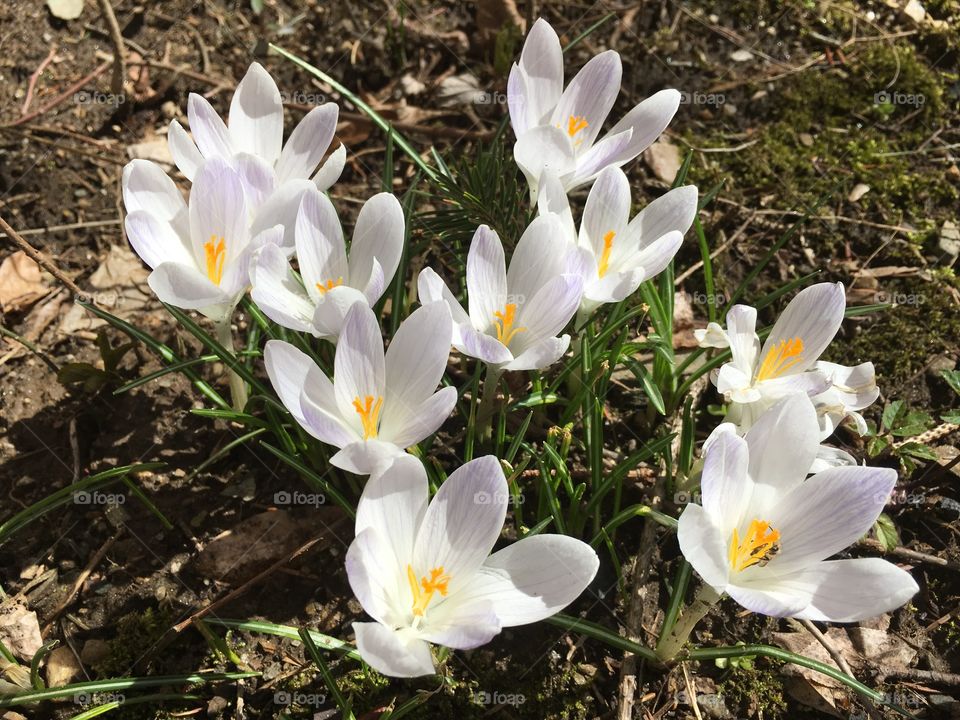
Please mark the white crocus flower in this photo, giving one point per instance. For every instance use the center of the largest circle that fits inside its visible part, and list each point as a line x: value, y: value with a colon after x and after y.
x: 199, y: 253
x: 851, y: 389
x: 764, y: 531
x: 558, y: 128
x: 617, y: 253
x: 423, y: 570
x: 331, y: 282
x: 515, y: 314
x: 755, y: 378
x: 275, y: 173
x: 376, y: 405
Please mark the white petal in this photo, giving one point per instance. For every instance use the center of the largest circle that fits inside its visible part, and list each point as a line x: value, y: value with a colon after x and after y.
x: 703, y: 545
x: 852, y: 590
x: 331, y: 169
x: 481, y: 346
x: 218, y: 210
x: 653, y: 258
x: 365, y: 457
x: 771, y: 598
x: 540, y: 355
x: 539, y: 257
x: 813, y: 316
x: 673, y: 211
x: 287, y: 368
x: 607, y: 210
x: 742, y: 333
x: 589, y: 96
x: 431, y: 288
x: 461, y: 625
x: 415, y: 363
x: 374, y: 574
x: 147, y: 187
x: 541, y: 64
x: 358, y: 363
x: 281, y: 209
x: 827, y: 513
x: 486, y: 277
x: 378, y: 235
x: 534, y: 578
x: 331, y: 309
x: 725, y: 484
x: 548, y: 312
x: 463, y: 521
x: 321, y: 251
x: 392, y: 653
x: 185, y: 287
x: 608, y: 152
x: 259, y: 180
x: 543, y: 148
x: 278, y: 292
x: 613, y: 287
x: 394, y: 502
x: 553, y: 199
x: 321, y: 415
x: 424, y: 420
x: 183, y: 150
x: 209, y: 132
x: 712, y: 336
x: 155, y: 241
x: 256, y: 115
x: 307, y: 143
x: 647, y: 120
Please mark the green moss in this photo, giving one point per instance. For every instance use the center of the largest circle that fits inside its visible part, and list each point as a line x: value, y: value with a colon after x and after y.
x: 136, y: 632
x: 755, y: 691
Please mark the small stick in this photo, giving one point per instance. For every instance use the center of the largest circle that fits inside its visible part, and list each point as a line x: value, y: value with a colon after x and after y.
x: 926, y: 676
x: 75, y: 590
x: 96, y: 72
x: 31, y: 86
x: 119, y: 57
x: 40, y: 258
x: 908, y: 554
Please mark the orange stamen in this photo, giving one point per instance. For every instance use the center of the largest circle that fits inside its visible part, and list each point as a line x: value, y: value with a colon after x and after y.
x: 369, y: 412
x: 780, y: 358
x: 329, y: 285
x: 759, y: 546
x: 604, y: 264
x: 436, y: 583
x: 216, y: 254
x: 504, y: 323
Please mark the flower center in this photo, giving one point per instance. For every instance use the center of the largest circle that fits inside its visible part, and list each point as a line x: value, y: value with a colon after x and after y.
x: 216, y: 252
x: 576, y: 123
x: 369, y: 412
x: 504, y: 323
x: 759, y: 546
x: 424, y: 591
x: 329, y: 285
x: 780, y: 358
x: 604, y: 265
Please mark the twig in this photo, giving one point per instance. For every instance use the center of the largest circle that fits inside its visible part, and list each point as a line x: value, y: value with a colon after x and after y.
x: 75, y: 590
x: 927, y: 676
x: 66, y: 94
x: 31, y: 86
x: 908, y: 554
x: 120, y: 55
x: 39, y: 258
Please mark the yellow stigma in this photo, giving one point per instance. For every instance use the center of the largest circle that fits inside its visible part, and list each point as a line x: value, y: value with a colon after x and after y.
x: 604, y: 263
x: 576, y: 123
x: 759, y: 546
x: 780, y: 358
x: 329, y: 285
x: 504, y: 323
x: 369, y: 412
x: 424, y: 591
x: 216, y: 251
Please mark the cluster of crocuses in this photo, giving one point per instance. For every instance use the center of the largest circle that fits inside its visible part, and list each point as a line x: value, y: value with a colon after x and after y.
x: 422, y: 568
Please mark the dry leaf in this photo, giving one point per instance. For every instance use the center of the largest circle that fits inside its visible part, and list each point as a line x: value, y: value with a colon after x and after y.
x: 21, y: 282
x: 119, y: 286
x: 19, y: 630
x: 663, y: 158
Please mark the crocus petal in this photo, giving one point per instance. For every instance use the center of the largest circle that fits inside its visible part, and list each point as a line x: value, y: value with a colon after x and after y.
x: 365, y: 457
x: 827, y: 513
x: 218, y: 211
x: 589, y: 97
x: 463, y: 521
x: 392, y: 652
x: 725, y: 483
x: 608, y: 152
x: 533, y: 578
x: 331, y: 309
x: 256, y: 115
x: 481, y: 346
x: 374, y: 574
x: 654, y: 257
x: 606, y: 211
x: 209, y: 132
x: 828, y: 457
x: 431, y: 288
x: 148, y: 188
x: 307, y: 143
x: 852, y: 590
x: 415, y: 363
x: 486, y: 277
x: 540, y: 256
x: 183, y: 150
x: 378, y: 235
x: 287, y: 368
x: 703, y: 545
x: 320, y: 246
x: 674, y: 210
x: 614, y: 286
x: 394, y: 502
x: 813, y: 317
x: 359, y: 362
x: 540, y: 355
x: 548, y: 311
x: 541, y: 67
x: 771, y: 599
x: 331, y: 169
x: 647, y: 121
x: 713, y: 336
x: 155, y: 241
x: 185, y: 287
x: 783, y: 443
x: 278, y: 292
x: 742, y: 334
x: 424, y: 420
x: 320, y: 412
x: 553, y: 199
x: 540, y: 149
x: 259, y: 180
x: 461, y: 625
x: 734, y: 384
x: 281, y: 209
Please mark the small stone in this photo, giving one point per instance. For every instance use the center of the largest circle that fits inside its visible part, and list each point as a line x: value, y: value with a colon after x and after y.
x: 859, y: 190
x: 729, y: 109
x: 949, y: 241
x: 663, y: 158
x: 169, y: 109
x: 62, y: 667
x: 806, y: 139
x: 915, y: 11
x: 94, y: 651
x: 217, y: 705
x: 953, y: 173
x: 741, y: 55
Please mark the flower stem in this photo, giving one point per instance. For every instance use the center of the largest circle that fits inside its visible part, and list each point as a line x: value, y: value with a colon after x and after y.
x: 238, y: 389
x: 671, y: 643
x: 488, y: 404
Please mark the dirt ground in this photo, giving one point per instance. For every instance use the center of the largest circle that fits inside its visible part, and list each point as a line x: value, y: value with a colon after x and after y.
x: 843, y: 110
